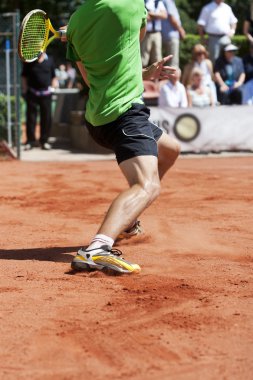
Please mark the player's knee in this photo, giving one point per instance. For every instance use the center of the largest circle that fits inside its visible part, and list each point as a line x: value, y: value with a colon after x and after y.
x: 176, y: 149
x: 152, y: 190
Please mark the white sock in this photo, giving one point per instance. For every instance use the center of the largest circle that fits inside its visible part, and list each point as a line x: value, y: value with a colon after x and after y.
x: 99, y: 240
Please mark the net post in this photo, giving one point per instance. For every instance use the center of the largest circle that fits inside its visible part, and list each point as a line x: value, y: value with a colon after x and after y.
x: 17, y: 80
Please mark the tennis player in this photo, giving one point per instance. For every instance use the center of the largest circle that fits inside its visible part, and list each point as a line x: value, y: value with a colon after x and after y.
x: 104, y: 40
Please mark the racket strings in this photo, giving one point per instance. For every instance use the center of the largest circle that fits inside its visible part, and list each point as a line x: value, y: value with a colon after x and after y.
x: 34, y: 36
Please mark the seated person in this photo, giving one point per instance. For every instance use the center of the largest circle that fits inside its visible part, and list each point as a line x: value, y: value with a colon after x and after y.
x: 198, y: 94
x: 172, y: 93
x: 247, y: 90
x: 200, y: 60
x: 230, y: 76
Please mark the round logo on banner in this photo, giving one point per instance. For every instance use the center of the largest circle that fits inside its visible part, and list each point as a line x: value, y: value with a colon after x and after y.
x: 186, y: 127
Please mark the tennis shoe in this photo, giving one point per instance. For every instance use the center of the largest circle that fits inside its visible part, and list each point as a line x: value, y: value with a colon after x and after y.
x: 46, y: 146
x: 103, y: 258
x: 133, y: 231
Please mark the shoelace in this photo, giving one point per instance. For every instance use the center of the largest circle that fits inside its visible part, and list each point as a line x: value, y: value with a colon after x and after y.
x: 115, y: 252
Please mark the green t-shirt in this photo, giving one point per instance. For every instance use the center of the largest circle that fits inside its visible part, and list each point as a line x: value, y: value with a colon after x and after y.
x: 104, y: 35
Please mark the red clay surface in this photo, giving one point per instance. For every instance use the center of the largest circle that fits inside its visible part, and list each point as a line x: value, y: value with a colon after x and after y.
x: 188, y: 315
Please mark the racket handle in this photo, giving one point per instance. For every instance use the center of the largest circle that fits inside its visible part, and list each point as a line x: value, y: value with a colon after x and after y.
x: 62, y: 33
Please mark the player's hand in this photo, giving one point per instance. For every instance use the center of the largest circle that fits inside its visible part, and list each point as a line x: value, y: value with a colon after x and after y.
x: 64, y: 37
x: 158, y: 71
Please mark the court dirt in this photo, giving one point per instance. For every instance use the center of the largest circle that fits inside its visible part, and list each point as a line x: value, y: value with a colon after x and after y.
x: 188, y: 315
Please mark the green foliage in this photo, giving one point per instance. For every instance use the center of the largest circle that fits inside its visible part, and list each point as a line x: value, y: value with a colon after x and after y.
x: 3, y: 114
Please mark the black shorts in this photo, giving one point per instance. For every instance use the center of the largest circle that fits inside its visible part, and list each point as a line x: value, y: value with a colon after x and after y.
x: 131, y: 135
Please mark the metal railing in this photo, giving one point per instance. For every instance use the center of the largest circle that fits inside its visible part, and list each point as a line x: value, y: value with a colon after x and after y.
x: 10, y: 121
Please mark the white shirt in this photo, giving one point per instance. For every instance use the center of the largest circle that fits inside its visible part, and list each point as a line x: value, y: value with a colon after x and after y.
x: 200, y: 100
x: 207, y: 78
x: 173, y: 96
x: 156, y: 24
x: 217, y: 19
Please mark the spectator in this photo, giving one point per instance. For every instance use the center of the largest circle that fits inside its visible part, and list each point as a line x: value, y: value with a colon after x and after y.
x: 218, y: 21
x: 173, y: 93
x: 248, y: 86
x: 71, y: 75
x: 172, y: 32
x: 248, y: 24
x: 230, y: 76
x: 61, y: 75
x: 151, y: 46
x: 198, y: 94
x: 200, y: 61
x: 37, y: 77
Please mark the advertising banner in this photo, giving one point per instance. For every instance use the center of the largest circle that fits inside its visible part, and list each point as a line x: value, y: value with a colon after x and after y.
x: 210, y: 129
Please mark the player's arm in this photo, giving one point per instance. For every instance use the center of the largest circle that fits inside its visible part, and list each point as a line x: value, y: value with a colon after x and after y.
x: 82, y: 70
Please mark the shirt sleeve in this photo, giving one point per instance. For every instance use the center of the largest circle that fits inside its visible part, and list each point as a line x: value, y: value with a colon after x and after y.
x: 232, y: 18
x: 169, y: 7
x: 71, y: 54
x: 203, y: 17
x: 144, y: 18
x: 161, y: 6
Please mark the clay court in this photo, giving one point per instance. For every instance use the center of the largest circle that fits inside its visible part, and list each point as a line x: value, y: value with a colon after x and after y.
x: 187, y: 316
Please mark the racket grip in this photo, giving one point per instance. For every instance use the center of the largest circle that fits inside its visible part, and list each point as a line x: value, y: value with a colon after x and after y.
x: 62, y: 34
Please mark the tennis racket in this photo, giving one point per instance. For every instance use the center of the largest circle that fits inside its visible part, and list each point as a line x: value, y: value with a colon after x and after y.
x: 34, y: 35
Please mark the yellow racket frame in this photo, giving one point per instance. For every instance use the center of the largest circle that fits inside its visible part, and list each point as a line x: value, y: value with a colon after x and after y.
x: 46, y: 41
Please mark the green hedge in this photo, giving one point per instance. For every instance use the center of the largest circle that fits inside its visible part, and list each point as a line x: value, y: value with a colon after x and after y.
x: 192, y: 39
x: 3, y: 114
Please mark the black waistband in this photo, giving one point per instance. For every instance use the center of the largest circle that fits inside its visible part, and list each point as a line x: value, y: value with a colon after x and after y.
x: 153, y: 31
x: 216, y: 35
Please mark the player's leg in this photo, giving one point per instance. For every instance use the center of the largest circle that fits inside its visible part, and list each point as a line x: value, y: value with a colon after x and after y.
x: 168, y: 151
x: 134, y: 143
x: 142, y: 176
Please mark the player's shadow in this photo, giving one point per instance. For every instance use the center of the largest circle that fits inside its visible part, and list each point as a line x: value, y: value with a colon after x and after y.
x: 56, y: 254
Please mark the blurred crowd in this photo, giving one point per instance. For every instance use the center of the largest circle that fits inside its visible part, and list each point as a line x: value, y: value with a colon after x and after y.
x: 216, y: 74
x: 66, y: 75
